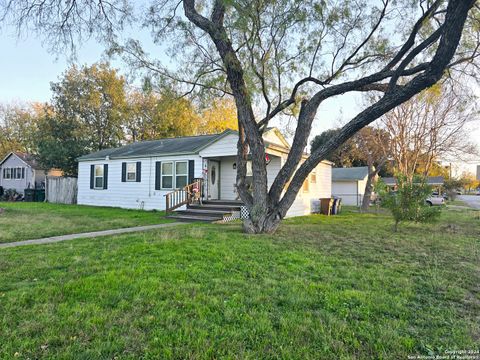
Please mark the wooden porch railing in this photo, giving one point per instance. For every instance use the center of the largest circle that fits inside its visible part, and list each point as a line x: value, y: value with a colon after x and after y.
x: 185, y: 196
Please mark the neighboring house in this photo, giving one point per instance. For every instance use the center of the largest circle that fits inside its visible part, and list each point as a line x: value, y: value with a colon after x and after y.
x: 349, y: 184
x: 20, y: 171
x: 436, y: 182
x: 139, y: 175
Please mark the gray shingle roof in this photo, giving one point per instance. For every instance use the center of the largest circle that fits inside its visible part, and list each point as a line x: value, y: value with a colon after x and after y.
x: 29, y: 159
x: 353, y: 173
x: 169, y: 146
x: 431, y: 180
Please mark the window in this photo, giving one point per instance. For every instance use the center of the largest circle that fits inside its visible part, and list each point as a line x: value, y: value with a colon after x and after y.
x: 98, y: 184
x: 313, y: 177
x: 181, y: 174
x: 306, y: 185
x: 167, y: 175
x: 132, y: 171
x: 174, y: 174
x: 19, y: 173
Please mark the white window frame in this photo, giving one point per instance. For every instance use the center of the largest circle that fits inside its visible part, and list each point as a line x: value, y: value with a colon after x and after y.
x: 173, y: 174
x: 95, y: 177
x: 313, y: 177
x: 134, y: 164
x: 185, y: 175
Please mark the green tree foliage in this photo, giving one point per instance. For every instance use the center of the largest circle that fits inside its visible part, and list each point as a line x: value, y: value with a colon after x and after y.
x: 60, y: 141
x: 93, y: 97
x: 408, y: 203
x: 18, y: 127
x: 345, y: 155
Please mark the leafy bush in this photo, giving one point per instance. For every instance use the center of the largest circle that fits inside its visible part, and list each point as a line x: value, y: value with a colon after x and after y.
x: 408, y: 203
x: 451, y: 186
x: 11, y: 195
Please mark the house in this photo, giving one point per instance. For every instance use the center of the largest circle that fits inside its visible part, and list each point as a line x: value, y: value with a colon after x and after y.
x: 145, y: 175
x: 349, y: 184
x: 20, y: 171
x: 436, y: 182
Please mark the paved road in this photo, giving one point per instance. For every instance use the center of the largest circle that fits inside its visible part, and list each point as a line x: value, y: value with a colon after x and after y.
x: 470, y: 200
x: 55, y: 239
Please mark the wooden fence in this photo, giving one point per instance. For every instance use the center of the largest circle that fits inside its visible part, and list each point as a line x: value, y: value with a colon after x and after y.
x: 61, y: 190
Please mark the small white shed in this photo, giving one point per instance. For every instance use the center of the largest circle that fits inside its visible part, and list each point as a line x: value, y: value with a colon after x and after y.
x: 349, y: 184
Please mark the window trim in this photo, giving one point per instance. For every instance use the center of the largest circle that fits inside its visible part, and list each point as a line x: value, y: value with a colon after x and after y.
x: 183, y: 175
x: 95, y: 187
x: 306, y: 185
x: 129, y: 172
x: 173, y: 174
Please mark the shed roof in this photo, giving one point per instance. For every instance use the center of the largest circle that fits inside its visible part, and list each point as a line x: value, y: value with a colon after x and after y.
x: 431, y: 180
x: 353, y: 173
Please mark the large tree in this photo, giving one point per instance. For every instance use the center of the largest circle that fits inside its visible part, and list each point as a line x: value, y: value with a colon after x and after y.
x: 18, y: 127
x: 93, y: 97
x: 284, y: 55
x: 431, y: 126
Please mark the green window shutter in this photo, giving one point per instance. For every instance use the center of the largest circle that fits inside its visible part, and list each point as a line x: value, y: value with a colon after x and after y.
x: 124, y: 171
x: 105, y: 176
x: 158, y: 169
x: 139, y: 171
x: 92, y: 176
x: 191, y: 171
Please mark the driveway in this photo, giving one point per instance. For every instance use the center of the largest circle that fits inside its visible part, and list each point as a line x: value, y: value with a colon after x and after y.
x: 471, y: 200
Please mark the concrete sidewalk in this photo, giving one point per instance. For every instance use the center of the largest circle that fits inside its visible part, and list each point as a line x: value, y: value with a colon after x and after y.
x: 55, y: 239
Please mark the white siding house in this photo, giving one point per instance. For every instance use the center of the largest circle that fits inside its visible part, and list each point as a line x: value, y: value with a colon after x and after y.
x: 349, y: 184
x: 139, y: 175
x: 19, y: 171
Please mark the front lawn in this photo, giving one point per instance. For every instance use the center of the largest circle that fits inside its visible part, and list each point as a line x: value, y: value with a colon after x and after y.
x: 23, y: 221
x: 343, y: 287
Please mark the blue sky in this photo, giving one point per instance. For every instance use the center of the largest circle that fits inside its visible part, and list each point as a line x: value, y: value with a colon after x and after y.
x: 27, y: 69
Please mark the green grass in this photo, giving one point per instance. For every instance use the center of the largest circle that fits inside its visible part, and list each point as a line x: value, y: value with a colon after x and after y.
x: 23, y: 221
x: 343, y: 287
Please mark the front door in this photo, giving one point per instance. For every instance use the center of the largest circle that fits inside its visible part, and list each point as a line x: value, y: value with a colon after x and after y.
x: 213, y: 179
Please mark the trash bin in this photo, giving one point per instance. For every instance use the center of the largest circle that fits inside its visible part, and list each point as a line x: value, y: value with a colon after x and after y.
x: 326, y: 206
x: 34, y: 195
x: 39, y: 195
x: 337, y: 205
x: 29, y: 195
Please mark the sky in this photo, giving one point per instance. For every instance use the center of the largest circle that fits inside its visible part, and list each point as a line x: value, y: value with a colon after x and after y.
x: 27, y: 69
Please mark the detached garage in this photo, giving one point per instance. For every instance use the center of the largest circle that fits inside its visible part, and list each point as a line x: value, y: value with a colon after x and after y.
x: 349, y: 184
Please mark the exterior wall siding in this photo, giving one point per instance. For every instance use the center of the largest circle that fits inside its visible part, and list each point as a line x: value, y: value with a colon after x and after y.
x: 309, y: 202
x: 227, y: 146
x: 134, y: 195
x: 351, y: 192
x: 128, y: 195
x: 19, y: 185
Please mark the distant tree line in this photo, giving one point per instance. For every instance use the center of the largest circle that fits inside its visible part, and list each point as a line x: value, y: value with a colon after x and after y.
x: 94, y: 108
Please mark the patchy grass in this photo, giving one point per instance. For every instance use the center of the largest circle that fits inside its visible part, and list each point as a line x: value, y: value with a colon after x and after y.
x: 23, y: 221
x: 343, y: 287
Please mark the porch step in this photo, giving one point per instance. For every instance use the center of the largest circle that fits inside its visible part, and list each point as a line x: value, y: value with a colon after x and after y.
x: 224, y: 202
x: 203, y: 211
x: 213, y: 207
x: 193, y: 217
x: 208, y: 211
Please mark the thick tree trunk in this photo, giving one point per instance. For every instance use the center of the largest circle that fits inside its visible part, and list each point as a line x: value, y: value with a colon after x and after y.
x: 371, y: 179
x: 368, y: 190
x: 265, y: 224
